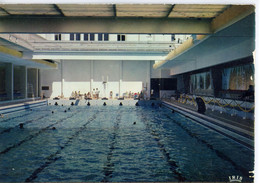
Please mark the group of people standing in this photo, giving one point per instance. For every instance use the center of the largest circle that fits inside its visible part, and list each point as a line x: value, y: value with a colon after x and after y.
x: 94, y: 94
x: 130, y: 95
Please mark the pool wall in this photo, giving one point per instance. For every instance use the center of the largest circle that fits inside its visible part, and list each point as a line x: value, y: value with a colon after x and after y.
x: 106, y: 102
x: 22, y: 106
x: 240, y: 108
x: 237, y: 134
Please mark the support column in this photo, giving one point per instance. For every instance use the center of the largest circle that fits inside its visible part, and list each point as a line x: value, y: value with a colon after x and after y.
x: 36, y: 83
x: 39, y: 84
x: 120, y: 77
x: 91, y: 75
x: 26, y: 83
x: 61, y: 78
x: 148, y: 79
x: 10, y: 81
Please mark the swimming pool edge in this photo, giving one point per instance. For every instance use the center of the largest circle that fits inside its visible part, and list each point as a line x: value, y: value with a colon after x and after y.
x: 22, y: 106
x: 214, y: 124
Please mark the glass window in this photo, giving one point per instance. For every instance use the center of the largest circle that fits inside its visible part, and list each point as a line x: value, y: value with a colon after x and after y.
x: 238, y: 78
x: 200, y: 82
x: 195, y: 82
x: 100, y: 37
x: 173, y: 37
x: 106, y: 37
x: 3, y: 92
x: 120, y: 37
x: 71, y: 36
x: 5, y: 81
x: 57, y: 37
x: 19, y: 82
x: 78, y: 37
x: 92, y: 37
x: 123, y: 38
x: 32, y: 83
x: 85, y: 37
x: 208, y: 85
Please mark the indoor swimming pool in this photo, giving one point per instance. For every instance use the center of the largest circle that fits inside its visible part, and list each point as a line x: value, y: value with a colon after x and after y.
x: 115, y: 144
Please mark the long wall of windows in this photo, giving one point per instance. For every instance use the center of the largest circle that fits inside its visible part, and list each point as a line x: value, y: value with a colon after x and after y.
x: 178, y: 39
x: 229, y: 80
x: 3, y: 87
x: 18, y: 82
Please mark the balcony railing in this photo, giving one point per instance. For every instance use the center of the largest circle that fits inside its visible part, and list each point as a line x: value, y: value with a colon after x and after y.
x: 243, y: 108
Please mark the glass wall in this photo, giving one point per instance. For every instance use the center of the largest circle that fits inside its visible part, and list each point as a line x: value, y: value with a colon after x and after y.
x: 3, y: 92
x: 18, y: 82
x: 6, y: 74
x: 32, y: 83
x: 238, y: 77
x: 19, y: 87
x: 201, y: 84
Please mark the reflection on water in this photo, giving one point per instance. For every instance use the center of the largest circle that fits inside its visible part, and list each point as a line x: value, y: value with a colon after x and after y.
x: 101, y: 143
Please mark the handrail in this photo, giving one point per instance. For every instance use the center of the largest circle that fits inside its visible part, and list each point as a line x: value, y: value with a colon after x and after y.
x: 184, y: 100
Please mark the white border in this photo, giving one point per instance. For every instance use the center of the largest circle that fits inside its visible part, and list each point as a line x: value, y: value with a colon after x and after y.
x: 255, y: 2
x: 129, y: 2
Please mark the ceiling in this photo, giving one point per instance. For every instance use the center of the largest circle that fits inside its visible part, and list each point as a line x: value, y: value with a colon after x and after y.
x: 208, y: 11
x: 201, y: 19
x: 227, y: 46
x: 120, y: 18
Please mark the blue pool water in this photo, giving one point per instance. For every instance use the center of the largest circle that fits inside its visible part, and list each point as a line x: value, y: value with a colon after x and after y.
x: 101, y: 143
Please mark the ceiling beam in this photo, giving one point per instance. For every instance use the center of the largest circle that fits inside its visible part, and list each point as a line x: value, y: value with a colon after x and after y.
x: 23, y: 24
x: 98, y: 56
x: 56, y: 7
x: 14, y: 41
x: 114, y: 9
x: 231, y: 16
x: 4, y: 10
x: 10, y: 51
x: 170, y: 10
x: 175, y: 53
x: 12, y: 56
x: 52, y: 65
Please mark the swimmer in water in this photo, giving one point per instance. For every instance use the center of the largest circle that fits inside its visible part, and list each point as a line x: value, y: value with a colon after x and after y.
x: 21, y: 125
